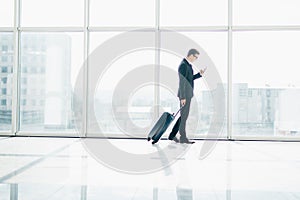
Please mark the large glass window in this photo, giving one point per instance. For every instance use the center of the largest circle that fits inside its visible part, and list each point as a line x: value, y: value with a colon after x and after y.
x: 266, y: 12
x: 52, y: 13
x: 6, y: 79
x: 52, y: 61
x: 122, y: 13
x: 266, y: 84
x: 117, y: 114
x: 193, y: 13
x: 6, y: 13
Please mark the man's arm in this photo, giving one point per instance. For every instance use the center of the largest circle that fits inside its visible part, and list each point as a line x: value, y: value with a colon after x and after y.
x: 182, y: 71
x: 198, y: 75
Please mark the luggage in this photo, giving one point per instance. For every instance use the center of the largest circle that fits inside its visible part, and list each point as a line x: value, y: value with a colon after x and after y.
x: 161, y: 126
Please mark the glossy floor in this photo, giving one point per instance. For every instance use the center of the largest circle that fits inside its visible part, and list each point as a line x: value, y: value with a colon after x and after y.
x: 34, y: 168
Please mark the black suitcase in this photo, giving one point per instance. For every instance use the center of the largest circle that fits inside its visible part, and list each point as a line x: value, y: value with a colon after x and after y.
x: 161, y: 126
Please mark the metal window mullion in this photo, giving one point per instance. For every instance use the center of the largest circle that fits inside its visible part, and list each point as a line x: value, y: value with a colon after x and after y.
x: 194, y: 28
x: 157, y: 60
x: 266, y: 28
x: 6, y: 29
x: 229, y: 71
x: 183, y: 28
x: 16, y: 72
x: 14, y: 193
x: 119, y: 29
x: 86, y: 67
x: 52, y: 29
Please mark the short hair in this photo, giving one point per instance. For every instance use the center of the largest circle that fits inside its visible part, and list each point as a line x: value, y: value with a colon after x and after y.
x: 192, y: 52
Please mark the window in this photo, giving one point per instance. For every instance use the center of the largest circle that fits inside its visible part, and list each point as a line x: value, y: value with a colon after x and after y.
x: 24, y: 81
x: 268, y: 93
x: 24, y: 70
x: 193, y: 12
x: 63, y: 58
x: 3, y: 102
x: 243, y: 92
x: 52, y: 13
x: 23, y: 102
x: 254, y: 67
x: 6, y: 13
x: 249, y: 93
x: 3, y: 91
x: 23, y: 91
x: 4, y: 48
x: 134, y: 13
x: 266, y: 12
x: 6, y: 41
x: 4, y: 58
x: 4, y: 80
x: 33, y: 70
x: 128, y: 116
x: 53, y: 45
x: 4, y: 69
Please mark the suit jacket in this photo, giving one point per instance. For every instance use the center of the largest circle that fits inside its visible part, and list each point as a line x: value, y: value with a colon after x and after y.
x: 186, y: 80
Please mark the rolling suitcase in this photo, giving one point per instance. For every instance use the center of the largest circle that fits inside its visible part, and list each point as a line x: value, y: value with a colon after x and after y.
x: 161, y: 126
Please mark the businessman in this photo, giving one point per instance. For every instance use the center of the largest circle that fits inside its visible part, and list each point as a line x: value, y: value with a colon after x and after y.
x: 185, y: 94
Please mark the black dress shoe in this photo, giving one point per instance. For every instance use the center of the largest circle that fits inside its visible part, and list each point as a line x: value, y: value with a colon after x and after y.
x: 186, y: 141
x: 174, y: 139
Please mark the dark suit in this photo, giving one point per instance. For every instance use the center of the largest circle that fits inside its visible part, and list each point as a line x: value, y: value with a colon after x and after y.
x: 185, y: 91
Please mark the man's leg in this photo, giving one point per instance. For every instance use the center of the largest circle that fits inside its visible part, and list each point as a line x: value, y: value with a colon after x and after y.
x: 175, y: 129
x: 184, y: 115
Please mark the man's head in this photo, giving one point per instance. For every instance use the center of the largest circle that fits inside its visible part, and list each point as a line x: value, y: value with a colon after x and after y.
x: 192, y: 55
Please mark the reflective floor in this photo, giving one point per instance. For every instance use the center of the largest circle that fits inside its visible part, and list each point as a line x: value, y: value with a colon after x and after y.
x: 35, y: 168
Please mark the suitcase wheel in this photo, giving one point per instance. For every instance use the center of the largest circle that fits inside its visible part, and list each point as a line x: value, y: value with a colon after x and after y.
x: 153, y: 142
x: 148, y: 138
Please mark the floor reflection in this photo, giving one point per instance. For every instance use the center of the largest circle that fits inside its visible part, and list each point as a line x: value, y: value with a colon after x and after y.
x: 184, y: 193
x: 65, y: 171
x: 61, y: 192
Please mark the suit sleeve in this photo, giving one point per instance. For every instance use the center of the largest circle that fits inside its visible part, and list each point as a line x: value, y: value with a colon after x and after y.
x: 198, y: 75
x: 182, y: 81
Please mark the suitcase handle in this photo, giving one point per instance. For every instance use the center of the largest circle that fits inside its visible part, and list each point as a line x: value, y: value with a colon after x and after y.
x: 178, y: 111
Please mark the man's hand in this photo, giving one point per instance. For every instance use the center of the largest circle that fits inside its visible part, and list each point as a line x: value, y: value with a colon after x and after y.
x: 182, y: 102
x: 202, y: 71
